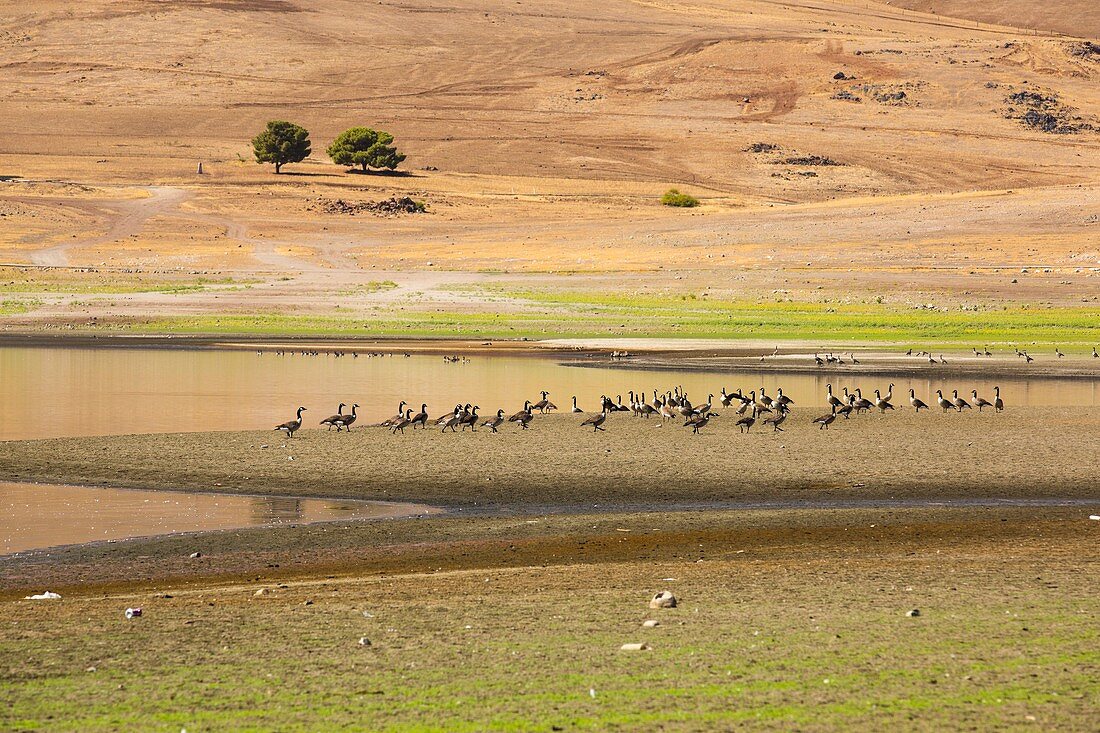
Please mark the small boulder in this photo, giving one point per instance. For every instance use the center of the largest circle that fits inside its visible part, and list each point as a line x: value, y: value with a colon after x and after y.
x: 364, y: 641
x: 195, y: 555
x: 635, y: 647
x: 650, y: 623
x: 914, y: 613
x: 664, y: 599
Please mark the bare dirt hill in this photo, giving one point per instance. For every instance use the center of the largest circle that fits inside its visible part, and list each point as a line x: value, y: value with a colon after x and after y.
x: 1080, y: 18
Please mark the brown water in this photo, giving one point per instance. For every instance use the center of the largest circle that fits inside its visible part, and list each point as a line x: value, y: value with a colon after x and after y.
x: 35, y: 515
x: 53, y: 392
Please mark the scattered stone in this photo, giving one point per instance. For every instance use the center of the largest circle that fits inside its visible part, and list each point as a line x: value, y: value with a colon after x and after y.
x: 650, y: 623
x: 1095, y: 517
x: 389, y: 207
x: 1046, y: 113
x: 364, y: 641
x: 195, y: 555
x: 845, y: 96
x: 133, y: 613
x: 635, y: 647
x: 308, y: 602
x: 841, y: 76
x: 664, y: 599
x: 914, y: 613
x: 47, y: 596
x: 809, y: 160
x: 762, y: 148
x: 262, y: 592
x: 1086, y: 50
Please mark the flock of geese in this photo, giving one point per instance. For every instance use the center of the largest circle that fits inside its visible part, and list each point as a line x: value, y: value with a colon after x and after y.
x: 674, y: 405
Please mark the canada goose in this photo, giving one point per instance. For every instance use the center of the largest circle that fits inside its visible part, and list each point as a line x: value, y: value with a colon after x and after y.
x: 916, y: 402
x: 454, y: 420
x: 469, y: 418
x: 943, y: 401
x: 778, y: 419
x: 826, y: 420
x: 646, y: 410
x: 595, y: 421
x: 846, y: 411
x: 334, y: 419
x: 421, y: 417
x: 861, y: 403
x: 544, y: 405
x: 881, y: 404
x: 666, y: 411
x: 959, y: 402
x: 524, y: 416
x: 889, y: 393
x: 703, y: 409
x: 444, y: 418
x: 575, y: 408
x: 698, y: 422
x: 1058, y: 352
x: 291, y: 426
x: 745, y: 424
x: 980, y: 401
x: 830, y: 397
x: 746, y: 403
x: 347, y: 420
x: 619, y: 406
x: 998, y: 403
x: 782, y: 398
x: 404, y: 422
x: 494, y: 422
x: 763, y: 400
x: 388, y: 422
x: 725, y: 399
x: 1095, y: 353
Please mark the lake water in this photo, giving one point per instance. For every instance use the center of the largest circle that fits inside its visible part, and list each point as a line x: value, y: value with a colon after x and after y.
x: 37, y: 515
x: 54, y: 392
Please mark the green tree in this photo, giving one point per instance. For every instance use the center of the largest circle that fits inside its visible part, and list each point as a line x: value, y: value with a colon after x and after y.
x: 366, y: 148
x: 282, y: 142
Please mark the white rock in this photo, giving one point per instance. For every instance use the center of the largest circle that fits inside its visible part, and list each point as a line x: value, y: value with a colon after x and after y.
x: 47, y: 596
x: 664, y: 599
x: 364, y: 641
x: 650, y: 623
x: 635, y: 647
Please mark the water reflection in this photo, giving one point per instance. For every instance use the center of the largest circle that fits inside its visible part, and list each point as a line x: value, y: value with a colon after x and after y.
x: 48, y: 392
x: 34, y: 516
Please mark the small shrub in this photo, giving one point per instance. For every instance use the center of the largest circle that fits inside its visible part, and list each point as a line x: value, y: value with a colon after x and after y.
x: 673, y: 197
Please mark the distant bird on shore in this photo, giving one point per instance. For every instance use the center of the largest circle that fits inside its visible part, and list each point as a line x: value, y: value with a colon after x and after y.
x: 979, y: 401
x: 826, y: 420
x: 404, y: 422
x: 959, y: 402
x: 494, y: 422
x: 421, y: 417
x: 596, y: 421
x: 698, y: 422
x: 347, y: 420
x: 916, y: 402
x: 575, y: 408
x: 291, y: 426
x: 334, y: 420
x: 524, y: 416
x: 1058, y: 352
x: 882, y: 404
x: 544, y: 405
x: 389, y: 421
x: 943, y: 401
x: 745, y: 424
x: 998, y: 403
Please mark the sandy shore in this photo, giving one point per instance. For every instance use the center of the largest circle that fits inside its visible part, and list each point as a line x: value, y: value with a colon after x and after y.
x: 1023, y: 452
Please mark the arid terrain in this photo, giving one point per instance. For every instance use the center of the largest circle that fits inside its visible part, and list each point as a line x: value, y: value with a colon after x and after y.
x: 876, y: 181
x: 541, y: 138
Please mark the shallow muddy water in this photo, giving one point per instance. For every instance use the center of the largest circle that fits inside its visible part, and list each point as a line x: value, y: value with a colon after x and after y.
x: 55, y: 392
x: 37, y: 515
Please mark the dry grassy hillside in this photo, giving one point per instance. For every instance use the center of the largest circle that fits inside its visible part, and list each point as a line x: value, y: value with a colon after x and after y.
x: 848, y: 134
x: 1069, y: 17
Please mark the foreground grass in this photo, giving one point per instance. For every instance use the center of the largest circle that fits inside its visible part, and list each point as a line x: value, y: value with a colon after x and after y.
x: 813, y: 638
x: 545, y: 315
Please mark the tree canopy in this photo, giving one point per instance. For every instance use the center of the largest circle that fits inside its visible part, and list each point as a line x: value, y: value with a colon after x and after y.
x: 282, y: 142
x: 366, y: 148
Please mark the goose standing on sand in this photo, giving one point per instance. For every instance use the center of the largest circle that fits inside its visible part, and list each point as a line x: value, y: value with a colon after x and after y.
x: 421, y: 417
x: 524, y: 416
x: 495, y: 422
x: 443, y: 419
x: 943, y: 401
x: 862, y: 403
x: 404, y: 422
x: 388, y: 422
x: 916, y: 402
x: 596, y: 421
x: 745, y: 424
x: 667, y: 413
x: 725, y: 399
x: 998, y: 403
x: 830, y: 397
x: 469, y: 418
x: 782, y: 398
x: 882, y: 404
x: 826, y: 420
x: 959, y: 402
x: 698, y: 422
x: 776, y: 420
x: 575, y: 408
x: 544, y: 405
x: 332, y: 420
x: 980, y: 401
x: 454, y: 420
x: 291, y: 426
x: 889, y: 393
x: 347, y: 420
